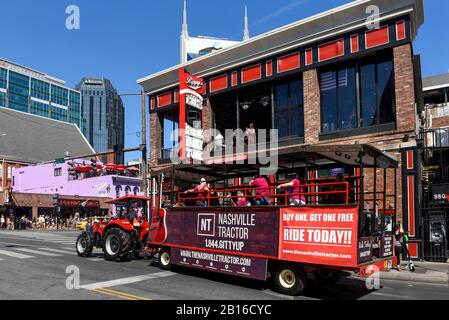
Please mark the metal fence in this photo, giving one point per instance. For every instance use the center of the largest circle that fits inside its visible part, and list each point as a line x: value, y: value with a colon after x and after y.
x: 435, y: 223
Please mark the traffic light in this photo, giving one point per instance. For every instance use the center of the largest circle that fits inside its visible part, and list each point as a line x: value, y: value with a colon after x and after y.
x: 55, y: 200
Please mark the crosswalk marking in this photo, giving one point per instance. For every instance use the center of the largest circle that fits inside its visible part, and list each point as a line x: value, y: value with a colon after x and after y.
x: 60, y: 251
x: 48, y: 254
x: 15, y: 254
x: 45, y: 237
x: 120, y: 282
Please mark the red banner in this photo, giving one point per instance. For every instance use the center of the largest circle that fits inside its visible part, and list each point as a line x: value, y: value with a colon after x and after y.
x: 193, y: 87
x: 325, y: 236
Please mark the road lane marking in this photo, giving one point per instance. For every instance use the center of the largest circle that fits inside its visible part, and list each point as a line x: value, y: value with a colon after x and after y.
x: 48, y: 254
x: 15, y: 254
x: 124, y: 281
x: 73, y: 253
x: 111, y: 295
x: 120, y: 294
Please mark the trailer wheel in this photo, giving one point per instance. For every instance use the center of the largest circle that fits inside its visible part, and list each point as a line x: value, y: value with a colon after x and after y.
x: 84, y: 245
x: 116, y: 244
x: 290, y: 279
x: 164, y: 259
x: 327, y: 277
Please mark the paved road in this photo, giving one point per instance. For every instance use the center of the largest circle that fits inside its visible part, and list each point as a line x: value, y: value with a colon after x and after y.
x: 34, y: 266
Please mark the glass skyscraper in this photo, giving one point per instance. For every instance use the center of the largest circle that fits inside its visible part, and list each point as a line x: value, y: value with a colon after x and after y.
x: 27, y: 90
x: 103, y: 115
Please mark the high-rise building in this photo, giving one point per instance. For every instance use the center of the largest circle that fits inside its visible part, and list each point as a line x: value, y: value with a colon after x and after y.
x: 27, y: 90
x: 195, y: 47
x: 103, y: 112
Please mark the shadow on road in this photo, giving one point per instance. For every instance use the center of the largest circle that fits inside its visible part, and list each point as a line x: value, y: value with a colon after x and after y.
x: 346, y: 289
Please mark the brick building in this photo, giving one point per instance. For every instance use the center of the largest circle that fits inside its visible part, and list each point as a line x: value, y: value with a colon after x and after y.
x: 27, y: 140
x: 325, y: 80
x: 435, y: 159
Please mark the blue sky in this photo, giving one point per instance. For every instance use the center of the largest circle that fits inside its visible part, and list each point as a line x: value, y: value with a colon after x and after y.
x: 126, y: 40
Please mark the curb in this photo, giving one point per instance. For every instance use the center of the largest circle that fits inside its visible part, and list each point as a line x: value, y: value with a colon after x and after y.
x: 413, y: 277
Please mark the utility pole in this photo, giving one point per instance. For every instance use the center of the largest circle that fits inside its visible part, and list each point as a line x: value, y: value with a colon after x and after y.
x: 143, y: 146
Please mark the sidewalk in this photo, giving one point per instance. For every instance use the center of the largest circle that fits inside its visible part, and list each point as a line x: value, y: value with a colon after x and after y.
x: 427, y: 272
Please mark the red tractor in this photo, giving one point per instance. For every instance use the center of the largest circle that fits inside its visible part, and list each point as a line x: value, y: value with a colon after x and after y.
x: 117, y: 236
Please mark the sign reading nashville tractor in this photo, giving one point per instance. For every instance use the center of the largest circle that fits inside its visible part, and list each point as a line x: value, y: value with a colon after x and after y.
x: 79, y: 203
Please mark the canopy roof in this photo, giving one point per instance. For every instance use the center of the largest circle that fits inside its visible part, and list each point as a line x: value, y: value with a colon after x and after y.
x: 289, y: 160
x: 128, y: 200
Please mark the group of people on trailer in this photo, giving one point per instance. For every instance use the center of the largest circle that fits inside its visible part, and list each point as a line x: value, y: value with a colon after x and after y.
x: 205, y: 196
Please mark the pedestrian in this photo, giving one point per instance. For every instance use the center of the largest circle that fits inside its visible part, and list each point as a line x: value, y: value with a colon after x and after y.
x: 250, y: 134
x: 295, y: 191
x: 399, y: 243
x: 262, y: 190
x: 2, y: 222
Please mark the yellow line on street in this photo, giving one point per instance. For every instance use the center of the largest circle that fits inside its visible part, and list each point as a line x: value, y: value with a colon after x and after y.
x: 121, y: 295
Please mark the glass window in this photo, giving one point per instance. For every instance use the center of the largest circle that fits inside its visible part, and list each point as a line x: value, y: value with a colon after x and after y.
x: 385, y: 92
x: 2, y: 99
x: 40, y: 89
x: 58, y: 172
x: 339, y: 99
x: 289, y: 109
x: 3, y: 78
x: 368, y: 95
x: 39, y: 109
x: 170, y: 128
x: 59, y: 114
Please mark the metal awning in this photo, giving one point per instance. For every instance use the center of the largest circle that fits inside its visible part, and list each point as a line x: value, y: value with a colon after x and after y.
x: 289, y: 158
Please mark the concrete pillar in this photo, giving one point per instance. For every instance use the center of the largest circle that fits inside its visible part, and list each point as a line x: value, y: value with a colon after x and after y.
x: 35, y: 212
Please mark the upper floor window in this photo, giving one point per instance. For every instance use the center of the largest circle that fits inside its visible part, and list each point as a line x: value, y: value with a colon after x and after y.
x: 357, y: 96
x: 58, y: 172
x: 289, y: 109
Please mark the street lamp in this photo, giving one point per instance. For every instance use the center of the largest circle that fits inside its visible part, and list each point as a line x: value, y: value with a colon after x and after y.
x: 3, y: 165
x: 143, y: 146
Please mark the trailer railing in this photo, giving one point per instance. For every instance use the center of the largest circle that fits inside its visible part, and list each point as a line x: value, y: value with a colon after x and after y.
x: 339, y: 194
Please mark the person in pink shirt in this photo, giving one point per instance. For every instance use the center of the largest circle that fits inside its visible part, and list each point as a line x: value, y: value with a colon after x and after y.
x: 262, y: 191
x: 241, y: 200
x: 202, y: 191
x: 296, y: 198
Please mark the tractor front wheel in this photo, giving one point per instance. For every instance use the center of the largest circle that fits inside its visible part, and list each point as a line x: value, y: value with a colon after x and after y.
x: 116, y: 245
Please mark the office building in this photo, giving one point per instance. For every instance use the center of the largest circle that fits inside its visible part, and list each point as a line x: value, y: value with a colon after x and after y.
x: 104, y: 116
x: 27, y: 90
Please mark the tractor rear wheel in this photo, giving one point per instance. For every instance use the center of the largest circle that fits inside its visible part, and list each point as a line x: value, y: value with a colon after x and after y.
x: 84, y: 245
x: 116, y: 244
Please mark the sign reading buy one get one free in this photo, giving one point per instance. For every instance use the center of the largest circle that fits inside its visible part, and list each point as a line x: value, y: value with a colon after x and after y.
x: 319, y: 235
